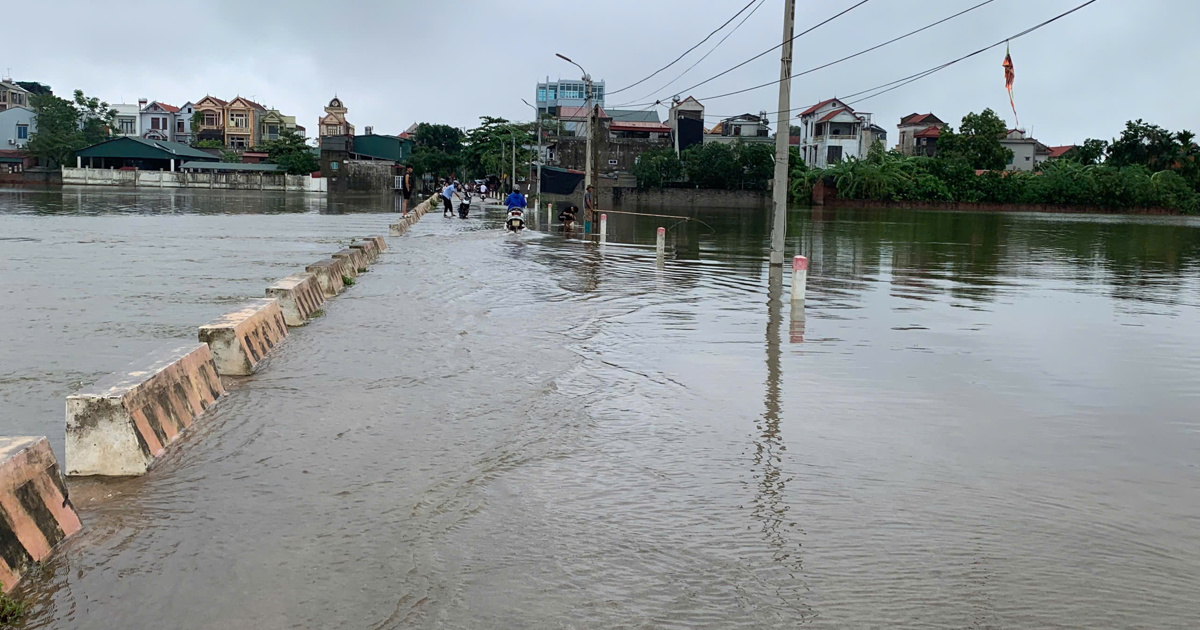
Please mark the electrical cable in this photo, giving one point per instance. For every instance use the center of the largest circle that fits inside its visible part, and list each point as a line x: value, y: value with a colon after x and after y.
x: 685, y: 53
x: 714, y: 49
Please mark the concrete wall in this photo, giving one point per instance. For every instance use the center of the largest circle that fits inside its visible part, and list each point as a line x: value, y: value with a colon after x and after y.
x: 361, y: 176
x: 164, y: 179
x: 35, y: 511
x: 630, y: 198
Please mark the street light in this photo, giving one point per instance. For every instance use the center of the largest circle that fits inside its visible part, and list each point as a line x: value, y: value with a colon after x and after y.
x: 537, y: 202
x: 589, y: 163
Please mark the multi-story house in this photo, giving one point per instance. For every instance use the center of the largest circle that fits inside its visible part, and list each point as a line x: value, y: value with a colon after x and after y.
x: 211, y: 112
x: 832, y: 131
x: 687, y: 123
x: 747, y: 128
x: 128, y: 119
x: 183, y: 123
x: 241, y: 124
x: 567, y: 93
x: 272, y: 123
x: 12, y: 95
x: 158, y: 120
x: 334, y: 122
x: 17, y: 125
x: 919, y: 134
x: 1027, y: 152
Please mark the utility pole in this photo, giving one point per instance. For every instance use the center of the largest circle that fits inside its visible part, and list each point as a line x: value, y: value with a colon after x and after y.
x: 590, y: 165
x: 514, y: 163
x: 782, y: 133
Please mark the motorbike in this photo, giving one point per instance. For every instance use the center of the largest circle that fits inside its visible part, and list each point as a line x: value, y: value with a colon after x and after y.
x: 516, y: 220
x: 464, y: 206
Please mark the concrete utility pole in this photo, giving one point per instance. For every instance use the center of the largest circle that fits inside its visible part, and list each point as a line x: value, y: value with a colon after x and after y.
x: 538, y: 201
x: 782, y: 134
x: 514, y: 163
x: 589, y: 175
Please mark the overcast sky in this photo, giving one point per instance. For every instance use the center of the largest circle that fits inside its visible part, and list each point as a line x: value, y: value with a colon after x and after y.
x: 451, y: 61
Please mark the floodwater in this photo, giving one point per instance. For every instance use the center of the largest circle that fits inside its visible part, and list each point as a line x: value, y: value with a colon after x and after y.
x: 982, y: 421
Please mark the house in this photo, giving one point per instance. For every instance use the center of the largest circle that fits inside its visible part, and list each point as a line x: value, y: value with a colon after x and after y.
x: 1027, y: 152
x: 334, y: 122
x: 554, y: 95
x: 183, y: 123
x: 212, y: 119
x: 17, y: 125
x: 128, y: 119
x: 12, y: 95
x: 1058, y: 152
x: 686, y: 121
x: 272, y: 123
x: 139, y: 153
x: 747, y: 128
x: 639, y: 129
x: 158, y: 120
x: 919, y: 134
x: 633, y: 115
x: 241, y: 123
x: 832, y: 131
x: 573, y: 120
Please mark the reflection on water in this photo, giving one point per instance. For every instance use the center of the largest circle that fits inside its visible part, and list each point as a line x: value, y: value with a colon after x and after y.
x: 979, y: 421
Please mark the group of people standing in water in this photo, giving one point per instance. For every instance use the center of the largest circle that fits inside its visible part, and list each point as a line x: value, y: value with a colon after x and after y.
x: 450, y: 189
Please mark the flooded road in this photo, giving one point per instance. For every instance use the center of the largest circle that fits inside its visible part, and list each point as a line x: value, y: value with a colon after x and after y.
x: 983, y: 421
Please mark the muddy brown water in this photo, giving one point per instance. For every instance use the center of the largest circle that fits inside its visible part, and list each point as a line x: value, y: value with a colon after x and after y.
x: 984, y: 421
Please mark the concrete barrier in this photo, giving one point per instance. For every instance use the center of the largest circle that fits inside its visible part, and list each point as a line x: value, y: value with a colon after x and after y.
x: 119, y: 425
x: 299, y: 296
x: 369, y: 249
x: 379, y: 241
x: 330, y: 274
x: 35, y: 512
x: 354, y: 258
x: 240, y: 340
x: 398, y: 229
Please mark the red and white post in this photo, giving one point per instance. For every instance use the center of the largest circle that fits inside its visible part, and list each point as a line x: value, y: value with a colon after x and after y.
x: 799, y: 279
x: 603, y: 229
x: 661, y: 245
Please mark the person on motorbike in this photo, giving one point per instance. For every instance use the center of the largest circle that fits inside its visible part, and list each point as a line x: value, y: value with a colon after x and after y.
x: 515, y: 199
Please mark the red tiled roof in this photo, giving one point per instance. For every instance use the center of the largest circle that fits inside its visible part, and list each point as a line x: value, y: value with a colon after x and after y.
x: 652, y: 127
x: 215, y: 100
x: 834, y: 113
x: 794, y: 141
x: 931, y: 131
x: 814, y: 108
x: 171, y: 109
x: 1057, y: 152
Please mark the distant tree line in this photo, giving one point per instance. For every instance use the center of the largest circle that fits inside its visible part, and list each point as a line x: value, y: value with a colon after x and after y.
x: 713, y: 165
x: 1147, y: 166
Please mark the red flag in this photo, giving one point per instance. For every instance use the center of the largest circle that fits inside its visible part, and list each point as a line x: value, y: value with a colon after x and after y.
x: 1010, y: 76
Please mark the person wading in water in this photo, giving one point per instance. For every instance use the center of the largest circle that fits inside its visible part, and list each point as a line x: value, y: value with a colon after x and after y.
x: 589, y: 209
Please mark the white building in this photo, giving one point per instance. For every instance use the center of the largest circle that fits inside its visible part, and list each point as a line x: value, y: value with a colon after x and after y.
x: 1027, y: 152
x: 183, y: 123
x: 128, y: 119
x: 832, y: 131
x: 746, y: 128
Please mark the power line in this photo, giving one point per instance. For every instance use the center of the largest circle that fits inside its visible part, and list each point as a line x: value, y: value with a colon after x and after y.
x: 857, y: 54
x: 685, y: 53
x: 898, y: 83
x: 778, y: 46
x: 714, y: 49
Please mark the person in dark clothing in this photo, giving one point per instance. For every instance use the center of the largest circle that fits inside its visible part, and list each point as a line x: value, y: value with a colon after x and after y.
x: 569, y: 214
x: 406, y: 190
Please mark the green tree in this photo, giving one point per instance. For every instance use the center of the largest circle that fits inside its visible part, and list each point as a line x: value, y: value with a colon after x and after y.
x: 712, y: 165
x: 757, y: 162
x: 487, y: 149
x: 654, y: 169
x: 1092, y: 151
x: 438, y: 150
x: 57, y: 137
x: 977, y: 141
x: 197, y: 121
x: 232, y: 157
x: 291, y: 152
x: 209, y: 144
x: 35, y: 88
x: 1146, y: 145
x: 97, y: 120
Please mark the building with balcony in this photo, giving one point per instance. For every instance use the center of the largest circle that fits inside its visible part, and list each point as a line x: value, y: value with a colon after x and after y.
x: 158, y: 120
x: 919, y: 134
x: 553, y: 95
x: 746, y: 128
x: 129, y: 120
x: 1027, y: 152
x: 832, y: 131
x: 12, y: 95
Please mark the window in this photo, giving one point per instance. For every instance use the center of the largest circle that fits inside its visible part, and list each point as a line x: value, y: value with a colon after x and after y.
x: 835, y: 155
x: 238, y: 120
x: 273, y: 131
x: 128, y: 126
x: 210, y: 119
x: 333, y: 166
x: 541, y: 94
x: 612, y: 162
x: 154, y: 123
x: 179, y: 128
x: 737, y: 131
x: 237, y: 142
x: 22, y: 132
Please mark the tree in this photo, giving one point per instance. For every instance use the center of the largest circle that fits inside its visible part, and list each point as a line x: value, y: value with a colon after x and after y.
x: 757, y: 162
x: 64, y: 127
x: 197, y: 121
x: 1146, y: 145
x: 209, y: 144
x: 57, y: 137
x: 488, y: 147
x: 794, y: 130
x: 655, y: 168
x: 291, y: 151
x: 712, y: 165
x: 33, y: 87
x: 438, y: 150
x: 232, y: 157
x: 977, y: 142
x: 1092, y: 151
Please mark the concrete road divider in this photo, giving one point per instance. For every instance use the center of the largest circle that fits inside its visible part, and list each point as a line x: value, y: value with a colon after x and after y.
x: 240, y: 340
x: 299, y: 296
x: 329, y: 275
x: 119, y: 425
x: 379, y: 240
x: 398, y: 229
x: 369, y: 249
x: 355, y: 258
x: 35, y: 513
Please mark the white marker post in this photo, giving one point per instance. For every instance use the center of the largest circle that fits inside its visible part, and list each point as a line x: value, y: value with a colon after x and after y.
x: 603, y: 228
x: 549, y: 213
x: 799, y: 279
x: 661, y: 246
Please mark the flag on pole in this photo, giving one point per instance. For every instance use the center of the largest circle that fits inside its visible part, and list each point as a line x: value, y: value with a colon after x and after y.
x: 1010, y: 75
